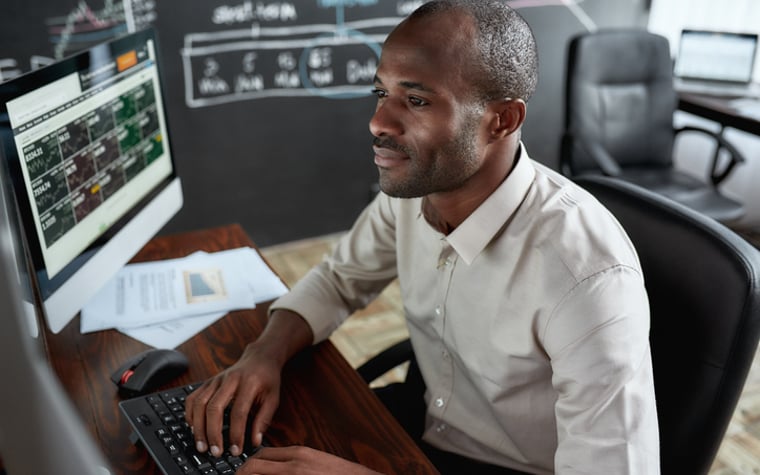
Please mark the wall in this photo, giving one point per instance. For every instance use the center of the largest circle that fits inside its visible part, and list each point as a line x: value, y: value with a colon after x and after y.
x: 269, y: 100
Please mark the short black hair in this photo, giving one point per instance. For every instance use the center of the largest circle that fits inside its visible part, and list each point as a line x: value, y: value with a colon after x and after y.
x: 506, y: 54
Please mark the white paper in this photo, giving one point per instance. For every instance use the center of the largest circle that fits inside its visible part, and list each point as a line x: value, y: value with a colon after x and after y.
x: 264, y: 283
x: 171, y: 334
x: 153, y: 293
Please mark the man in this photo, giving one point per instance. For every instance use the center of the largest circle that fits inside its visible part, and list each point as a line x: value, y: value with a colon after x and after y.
x: 523, y: 296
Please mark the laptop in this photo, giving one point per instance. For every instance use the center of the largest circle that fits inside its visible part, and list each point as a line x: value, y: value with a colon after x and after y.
x: 718, y: 63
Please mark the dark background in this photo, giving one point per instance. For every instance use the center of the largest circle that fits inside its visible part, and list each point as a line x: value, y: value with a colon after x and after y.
x: 285, y: 165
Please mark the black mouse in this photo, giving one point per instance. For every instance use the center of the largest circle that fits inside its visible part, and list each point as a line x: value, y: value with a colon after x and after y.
x: 148, y: 370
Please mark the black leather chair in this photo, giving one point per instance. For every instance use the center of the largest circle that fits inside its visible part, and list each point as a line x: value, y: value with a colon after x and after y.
x: 703, y: 282
x: 619, y: 106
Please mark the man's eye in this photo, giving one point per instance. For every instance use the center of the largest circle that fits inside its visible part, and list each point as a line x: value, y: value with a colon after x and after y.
x: 416, y: 101
x: 379, y: 93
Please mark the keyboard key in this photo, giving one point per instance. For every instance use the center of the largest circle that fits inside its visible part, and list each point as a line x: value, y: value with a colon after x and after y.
x: 173, y: 449
x: 223, y: 467
x: 235, y: 462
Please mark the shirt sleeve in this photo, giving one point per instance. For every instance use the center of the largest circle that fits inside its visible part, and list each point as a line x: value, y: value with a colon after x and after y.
x: 362, y: 264
x: 598, y: 342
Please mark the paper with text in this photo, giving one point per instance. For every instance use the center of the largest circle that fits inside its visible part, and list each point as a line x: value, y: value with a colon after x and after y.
x: 153, y: 293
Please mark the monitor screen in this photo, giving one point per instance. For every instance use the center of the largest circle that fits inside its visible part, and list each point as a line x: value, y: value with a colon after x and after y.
x: 716, y: 56
x: 86, y: 146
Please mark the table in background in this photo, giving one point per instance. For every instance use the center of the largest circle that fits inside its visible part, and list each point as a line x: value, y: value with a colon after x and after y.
x: 324, y: 403
x: 719, y: 109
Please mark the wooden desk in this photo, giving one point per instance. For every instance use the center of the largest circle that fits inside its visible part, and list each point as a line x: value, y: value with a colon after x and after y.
x: 324, y: 403
x: 718, y: 109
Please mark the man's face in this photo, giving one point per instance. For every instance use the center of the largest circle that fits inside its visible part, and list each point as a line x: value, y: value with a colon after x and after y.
x: 427, y: 125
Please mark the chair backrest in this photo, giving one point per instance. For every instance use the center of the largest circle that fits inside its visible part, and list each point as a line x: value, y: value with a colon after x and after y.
x: 703, y: 282
x: 619, y: 94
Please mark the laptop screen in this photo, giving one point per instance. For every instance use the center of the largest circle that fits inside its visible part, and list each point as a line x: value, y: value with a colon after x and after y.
x: 716, y: 56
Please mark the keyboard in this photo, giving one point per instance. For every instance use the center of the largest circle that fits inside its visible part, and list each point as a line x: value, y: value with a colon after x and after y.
x: 158, y: 422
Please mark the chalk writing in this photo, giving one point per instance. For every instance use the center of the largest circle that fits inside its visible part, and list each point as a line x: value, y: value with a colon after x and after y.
x: 248, y: 12
x: 86, y: 25
x: 283, y: 55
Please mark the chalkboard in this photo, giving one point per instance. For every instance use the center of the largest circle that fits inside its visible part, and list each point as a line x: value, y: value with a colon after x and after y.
x: 269, y: 101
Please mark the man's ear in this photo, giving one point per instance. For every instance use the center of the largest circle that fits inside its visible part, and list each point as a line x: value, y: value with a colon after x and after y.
x: 508, y: 116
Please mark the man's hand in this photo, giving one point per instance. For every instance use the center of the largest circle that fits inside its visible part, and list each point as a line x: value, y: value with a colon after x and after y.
x: 251, y: 384
x: 299, y: 461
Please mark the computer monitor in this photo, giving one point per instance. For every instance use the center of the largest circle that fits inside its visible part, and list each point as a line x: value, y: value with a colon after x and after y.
x: 40, y: 431
x: 86, y: 147
x: 716, y: 56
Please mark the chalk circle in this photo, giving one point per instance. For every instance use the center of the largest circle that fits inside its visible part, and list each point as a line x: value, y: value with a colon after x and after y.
x: 303, y: 67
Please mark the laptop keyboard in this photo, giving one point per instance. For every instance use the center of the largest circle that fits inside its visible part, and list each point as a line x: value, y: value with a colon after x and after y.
x: 158, y: 421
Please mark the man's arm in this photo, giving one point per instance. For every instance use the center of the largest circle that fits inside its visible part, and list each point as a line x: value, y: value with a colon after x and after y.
x: 598, y: 342
x: 253, y: 382
x: 360, y: 267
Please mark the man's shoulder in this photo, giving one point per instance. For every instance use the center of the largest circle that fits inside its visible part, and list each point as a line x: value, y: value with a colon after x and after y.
x: 576, y: 226
x: 556, y: 192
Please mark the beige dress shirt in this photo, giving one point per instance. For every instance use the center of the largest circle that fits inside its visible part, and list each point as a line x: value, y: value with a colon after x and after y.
x: 529, y: 321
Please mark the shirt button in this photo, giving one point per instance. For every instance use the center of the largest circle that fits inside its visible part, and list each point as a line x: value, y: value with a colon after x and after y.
x: 441, y: 428
x: 438, y: 310
x: 439, y: 402
x: 445, y: 354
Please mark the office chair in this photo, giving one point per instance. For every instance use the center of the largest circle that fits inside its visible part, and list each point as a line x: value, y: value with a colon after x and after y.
x: 619, y: 107
x: 703, y: 282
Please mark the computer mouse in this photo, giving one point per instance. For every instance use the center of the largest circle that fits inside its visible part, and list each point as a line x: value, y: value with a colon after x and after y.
x: 148, y: 370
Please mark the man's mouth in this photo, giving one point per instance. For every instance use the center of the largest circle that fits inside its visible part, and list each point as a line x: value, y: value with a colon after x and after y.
x: 388, y: 154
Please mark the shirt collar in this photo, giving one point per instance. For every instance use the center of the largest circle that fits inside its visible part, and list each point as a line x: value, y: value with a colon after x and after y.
x: 473, y: 235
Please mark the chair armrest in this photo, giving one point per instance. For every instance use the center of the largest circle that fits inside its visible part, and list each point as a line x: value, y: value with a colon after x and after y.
x: 735, y: 156
x: 386, y: 360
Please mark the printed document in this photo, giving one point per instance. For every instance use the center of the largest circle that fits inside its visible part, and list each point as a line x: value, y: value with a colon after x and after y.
x: 202, y: 284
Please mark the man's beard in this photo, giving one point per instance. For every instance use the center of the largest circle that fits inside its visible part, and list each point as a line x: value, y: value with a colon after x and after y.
x: 436, y: 175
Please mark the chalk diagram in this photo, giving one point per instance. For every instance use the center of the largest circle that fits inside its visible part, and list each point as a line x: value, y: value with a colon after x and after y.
x: 81, y: 27
x: 330, y: 60
x: 85, y: 25
x: 336, y: 61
